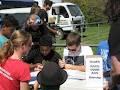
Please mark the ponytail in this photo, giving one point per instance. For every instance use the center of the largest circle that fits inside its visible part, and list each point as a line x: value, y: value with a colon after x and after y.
x: 6, y: 51
x: 17, y: 38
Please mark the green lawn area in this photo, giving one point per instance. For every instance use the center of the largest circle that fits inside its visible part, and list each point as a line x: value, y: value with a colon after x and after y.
x: 92, y: 36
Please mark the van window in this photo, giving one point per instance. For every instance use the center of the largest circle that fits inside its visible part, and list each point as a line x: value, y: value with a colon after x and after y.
x: 21, y: 17
x: 61, y: 11
x: 74, y: 10
x: 54, y: 11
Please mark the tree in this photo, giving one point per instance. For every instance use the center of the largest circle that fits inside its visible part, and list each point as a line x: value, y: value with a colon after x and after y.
x: 92, y: 9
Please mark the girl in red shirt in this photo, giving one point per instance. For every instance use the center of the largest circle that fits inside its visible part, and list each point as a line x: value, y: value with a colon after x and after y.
x: 15, y: 73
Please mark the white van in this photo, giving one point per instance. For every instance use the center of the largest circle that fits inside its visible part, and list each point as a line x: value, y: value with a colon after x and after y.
x: 68, y: 16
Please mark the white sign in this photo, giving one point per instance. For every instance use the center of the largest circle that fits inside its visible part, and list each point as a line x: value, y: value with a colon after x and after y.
x: 94, y: 71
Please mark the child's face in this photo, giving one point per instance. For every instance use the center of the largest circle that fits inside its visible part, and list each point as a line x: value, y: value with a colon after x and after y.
x: 8, y: 31
x: 48, y: 7
x: 73, y: 48
x: 45, y: 50
x: 32, y: 22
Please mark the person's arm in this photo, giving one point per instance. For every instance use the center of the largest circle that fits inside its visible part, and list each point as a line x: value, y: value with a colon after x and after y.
x: 36, y: 67
x: 24, y: 86
x: 75, y: 67
x: 36, y: 85
x: 24, y: 75
x: 52, y: 30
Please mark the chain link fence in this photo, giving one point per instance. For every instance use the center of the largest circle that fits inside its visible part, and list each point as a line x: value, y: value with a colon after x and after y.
x: 95, y: 32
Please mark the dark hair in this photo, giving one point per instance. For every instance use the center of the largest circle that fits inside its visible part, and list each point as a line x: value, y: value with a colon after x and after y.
x: 46, y: 40
x: 48, y: 2
x: 73, y: 39
x: 113, y: 9
x: 10, y: 20
x: 18, y: 37
x: 35, y: 9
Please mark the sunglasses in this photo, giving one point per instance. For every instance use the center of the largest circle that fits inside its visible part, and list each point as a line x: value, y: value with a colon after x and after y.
x: 71, y: 49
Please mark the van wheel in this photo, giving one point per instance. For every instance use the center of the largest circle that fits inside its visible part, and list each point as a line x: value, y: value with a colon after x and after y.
x: 61, y: 34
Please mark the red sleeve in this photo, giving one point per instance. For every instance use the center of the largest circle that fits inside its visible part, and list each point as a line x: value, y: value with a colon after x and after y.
x: 24, y: 74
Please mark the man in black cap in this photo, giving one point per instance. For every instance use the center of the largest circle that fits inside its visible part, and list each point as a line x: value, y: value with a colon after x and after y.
x: 51, y: 76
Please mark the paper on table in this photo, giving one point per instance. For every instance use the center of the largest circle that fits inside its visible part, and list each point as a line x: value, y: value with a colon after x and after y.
x: 31, y: 82
x: 33, y: 77
x: 34, y: 74
x: 75, y: 74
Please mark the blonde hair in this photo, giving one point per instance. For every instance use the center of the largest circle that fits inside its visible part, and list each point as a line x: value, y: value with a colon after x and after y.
x: 6, y: 51
x: 18, y: 37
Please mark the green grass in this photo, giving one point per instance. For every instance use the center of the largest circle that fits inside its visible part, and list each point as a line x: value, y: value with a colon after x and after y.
x: 95, y: 34
x: 92, y: 36
x: 59, y: 50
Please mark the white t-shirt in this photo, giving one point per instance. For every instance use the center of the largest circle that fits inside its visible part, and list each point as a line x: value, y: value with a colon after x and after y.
x: 77, y: 58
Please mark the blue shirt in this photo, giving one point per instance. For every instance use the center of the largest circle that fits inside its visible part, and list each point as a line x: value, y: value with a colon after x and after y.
x: 3, y: 39
x: 103, y: 50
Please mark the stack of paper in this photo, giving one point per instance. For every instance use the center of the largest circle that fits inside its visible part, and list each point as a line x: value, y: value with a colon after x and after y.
x: 75, y: 74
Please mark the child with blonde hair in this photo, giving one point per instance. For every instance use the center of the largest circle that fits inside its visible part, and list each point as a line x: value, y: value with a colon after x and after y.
x: 15, y: 73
